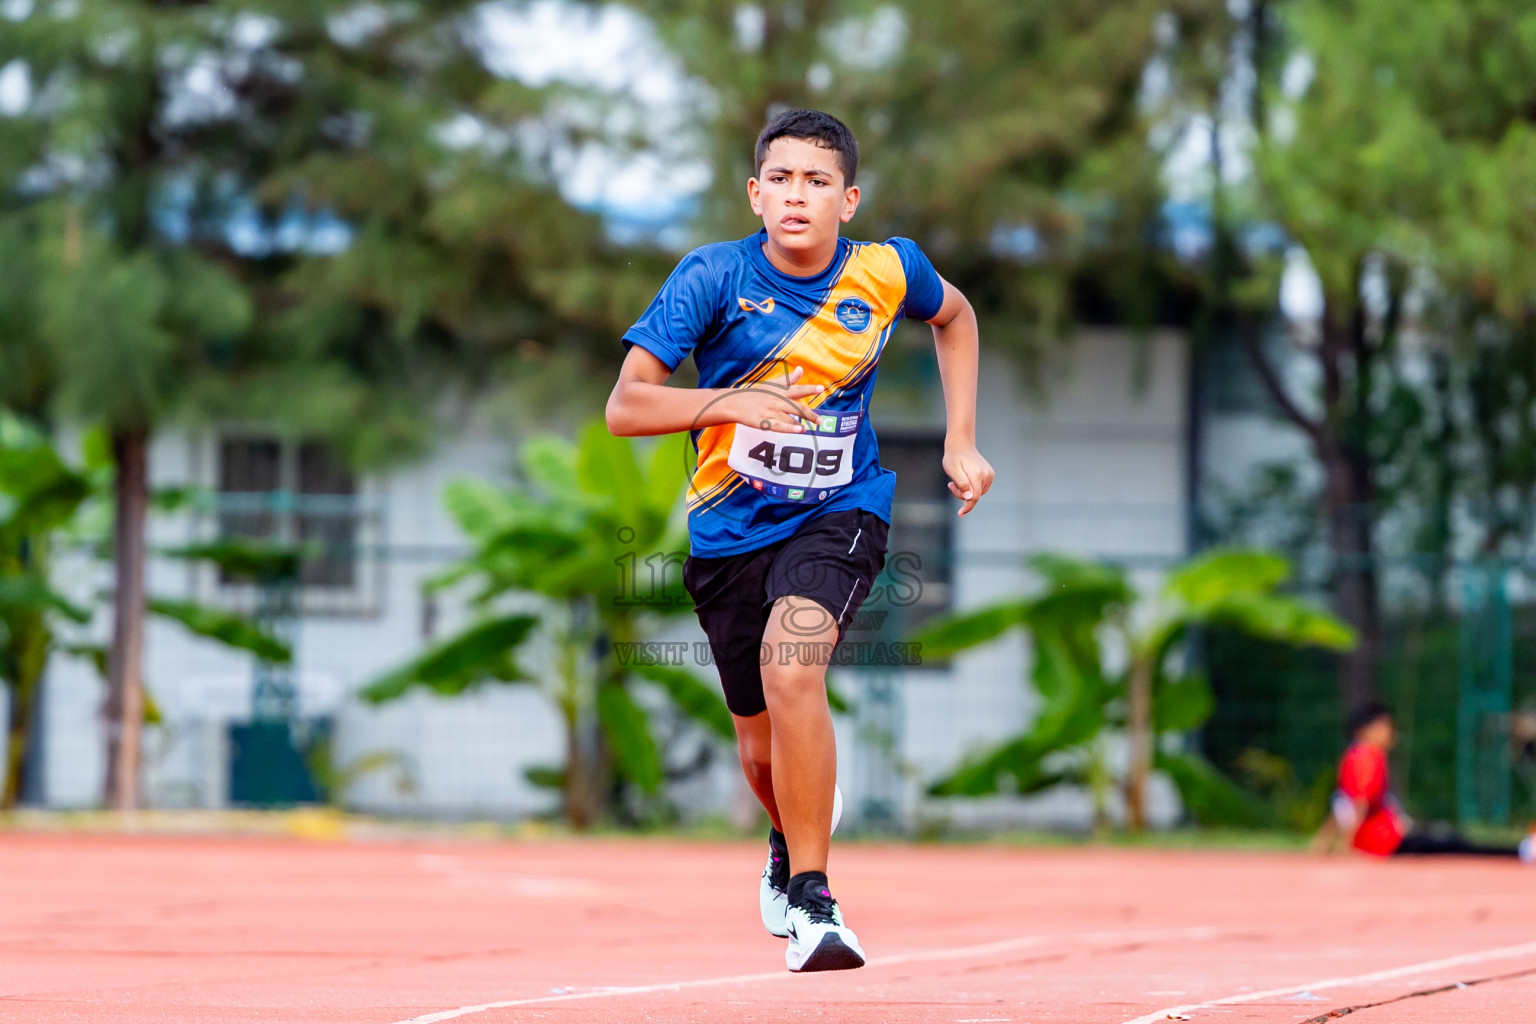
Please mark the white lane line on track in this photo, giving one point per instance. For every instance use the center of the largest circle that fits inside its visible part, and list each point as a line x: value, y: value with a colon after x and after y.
x: 1089, y: 939
x: 1502, y: 953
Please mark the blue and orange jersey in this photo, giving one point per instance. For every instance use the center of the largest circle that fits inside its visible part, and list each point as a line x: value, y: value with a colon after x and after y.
x: 746, y: 322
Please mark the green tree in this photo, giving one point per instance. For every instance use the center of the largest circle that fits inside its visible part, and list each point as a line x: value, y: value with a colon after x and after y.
x: 1386, y: 137
x: 1082, y: 612
x: 595, y: 540
x: 39, y: 496
x: 312, y: 212
x: 44, y: 503
x: 1010, y: 139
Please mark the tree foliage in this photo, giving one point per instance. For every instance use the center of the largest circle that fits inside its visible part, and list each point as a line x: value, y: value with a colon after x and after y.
x: 316, y: 214
x: 1386, y: 138
x: 585, y: 559
x: 1100, y: 651
x: 1012, y: 140
x: 45, y: 504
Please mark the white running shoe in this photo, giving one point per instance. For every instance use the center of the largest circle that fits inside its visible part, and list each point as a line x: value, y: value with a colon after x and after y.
x: 772, y: 899
x: 818, y: 938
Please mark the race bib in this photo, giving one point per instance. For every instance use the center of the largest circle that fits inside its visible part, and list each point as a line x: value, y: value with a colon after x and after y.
x: 810, y: 466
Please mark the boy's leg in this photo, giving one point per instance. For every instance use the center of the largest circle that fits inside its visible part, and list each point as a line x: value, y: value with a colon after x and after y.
x: 804, y: 781
x: 1425, y: 844
x: 754, y: 744
x: 803, y: 747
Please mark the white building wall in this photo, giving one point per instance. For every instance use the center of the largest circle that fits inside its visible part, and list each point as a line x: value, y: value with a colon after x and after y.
x: 1095, y: 468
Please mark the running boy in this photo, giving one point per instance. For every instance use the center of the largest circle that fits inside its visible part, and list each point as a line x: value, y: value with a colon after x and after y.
x: 1368, y: 816
x: 788, y: 510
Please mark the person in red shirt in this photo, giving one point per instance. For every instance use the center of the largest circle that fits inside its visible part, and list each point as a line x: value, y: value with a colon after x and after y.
x: 1368, y: 816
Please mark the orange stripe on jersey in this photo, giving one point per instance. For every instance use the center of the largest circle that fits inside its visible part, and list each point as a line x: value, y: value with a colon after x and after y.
x: 830, y: 353
x: 869, y: 291
x: 712, y: 472
x: 763, y: 371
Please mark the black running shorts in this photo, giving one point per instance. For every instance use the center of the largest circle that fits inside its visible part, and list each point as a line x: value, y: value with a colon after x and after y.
x: 833, y: 560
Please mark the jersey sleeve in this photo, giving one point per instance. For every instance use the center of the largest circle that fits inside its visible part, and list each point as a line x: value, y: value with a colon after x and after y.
x: 681, y: 315
x: 1363, y: 775
x: 925, y: 291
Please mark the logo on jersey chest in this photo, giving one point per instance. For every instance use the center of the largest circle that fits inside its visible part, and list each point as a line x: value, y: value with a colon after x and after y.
x: 748, y: 306
x: 854, y: 315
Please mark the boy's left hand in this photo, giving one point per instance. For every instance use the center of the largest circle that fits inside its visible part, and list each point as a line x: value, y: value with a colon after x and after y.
x: 970, y: 475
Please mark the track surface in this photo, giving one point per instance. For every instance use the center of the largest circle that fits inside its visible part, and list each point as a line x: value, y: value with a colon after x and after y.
x: 124, y: 929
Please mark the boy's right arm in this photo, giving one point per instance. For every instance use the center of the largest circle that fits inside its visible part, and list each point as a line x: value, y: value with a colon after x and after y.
x: 643, y: 404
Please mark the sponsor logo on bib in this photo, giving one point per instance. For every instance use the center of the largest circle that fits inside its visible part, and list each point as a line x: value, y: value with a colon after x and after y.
x: 748, y: 306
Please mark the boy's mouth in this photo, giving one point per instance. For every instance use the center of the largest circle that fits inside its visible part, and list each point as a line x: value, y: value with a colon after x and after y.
x: 794, y: 222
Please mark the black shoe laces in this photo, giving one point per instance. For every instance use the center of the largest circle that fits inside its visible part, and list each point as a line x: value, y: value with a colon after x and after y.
x: 778, y: 877
x: 818, y: 908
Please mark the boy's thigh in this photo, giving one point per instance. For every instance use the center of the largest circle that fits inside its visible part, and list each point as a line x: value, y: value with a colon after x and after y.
x: 833, y: 560
x: 729, y: 596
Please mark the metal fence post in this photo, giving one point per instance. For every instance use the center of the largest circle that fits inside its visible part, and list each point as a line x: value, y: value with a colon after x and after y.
x: 1485, y: 690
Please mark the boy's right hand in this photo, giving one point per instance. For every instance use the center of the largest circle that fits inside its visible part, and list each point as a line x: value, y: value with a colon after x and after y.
x: 773, y: 405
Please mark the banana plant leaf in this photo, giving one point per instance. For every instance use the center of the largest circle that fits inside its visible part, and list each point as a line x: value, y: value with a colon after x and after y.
x: 546, y: 776
x: 595, y: 529
x: 1214, y: 576
x: 1020, y: 759
x: 692, y: 695
x: 550, y: 463
x: 606, y: 466
x: 1179, y: 705
x: 226, y: 627
x: 39, y: 493
x: 481, y: 653
x: 243, y: 558
x: 1208, y: 795
x: 628, y: 730
x: 29, y: 592
x: 951, y: 634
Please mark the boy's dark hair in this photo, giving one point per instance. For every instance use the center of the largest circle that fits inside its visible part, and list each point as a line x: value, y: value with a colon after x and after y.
x: 813, y: 126
x: 1365, y: 714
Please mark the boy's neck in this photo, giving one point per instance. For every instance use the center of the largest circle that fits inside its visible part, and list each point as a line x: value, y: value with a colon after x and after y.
x: 799, y: 264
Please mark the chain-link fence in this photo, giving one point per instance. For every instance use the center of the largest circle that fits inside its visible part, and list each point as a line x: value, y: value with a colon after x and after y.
x: 231, y: 730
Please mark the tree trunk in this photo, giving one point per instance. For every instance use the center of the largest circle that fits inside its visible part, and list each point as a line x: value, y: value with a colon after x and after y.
x: 578, y: 801
x: 125, y: 685
x: 1140, y: 736
x: 31, y: 641
x: 1348, y: 501
x: 1339, y: 442
x: 1349, y: 493
x: 16, y: 747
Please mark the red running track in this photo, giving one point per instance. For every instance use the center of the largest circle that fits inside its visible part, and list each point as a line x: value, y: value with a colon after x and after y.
x: 156, y: 929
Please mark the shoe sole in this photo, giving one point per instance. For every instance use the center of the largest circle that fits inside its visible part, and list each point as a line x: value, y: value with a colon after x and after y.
x: 830, y: 954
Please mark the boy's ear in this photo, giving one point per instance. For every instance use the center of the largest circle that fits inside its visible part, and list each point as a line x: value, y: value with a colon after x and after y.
x: 755, y: 196
x: 850, y: 203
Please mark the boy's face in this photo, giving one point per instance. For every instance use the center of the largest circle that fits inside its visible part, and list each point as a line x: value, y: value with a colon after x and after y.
x: 800, y: 195
x: 1381, y: 733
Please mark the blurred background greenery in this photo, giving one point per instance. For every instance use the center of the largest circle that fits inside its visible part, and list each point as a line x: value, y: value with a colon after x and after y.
x: 352, y: 222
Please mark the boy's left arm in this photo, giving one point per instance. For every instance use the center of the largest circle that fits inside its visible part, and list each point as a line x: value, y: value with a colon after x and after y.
x: 957, y: 342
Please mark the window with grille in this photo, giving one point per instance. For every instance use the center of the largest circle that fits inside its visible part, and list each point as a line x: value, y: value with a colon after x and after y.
x: 917, y: 582
x: 300, y: 493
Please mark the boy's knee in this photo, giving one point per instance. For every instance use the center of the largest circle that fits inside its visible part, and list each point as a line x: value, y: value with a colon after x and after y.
x: 755, y: 751
x: 793, y: 683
